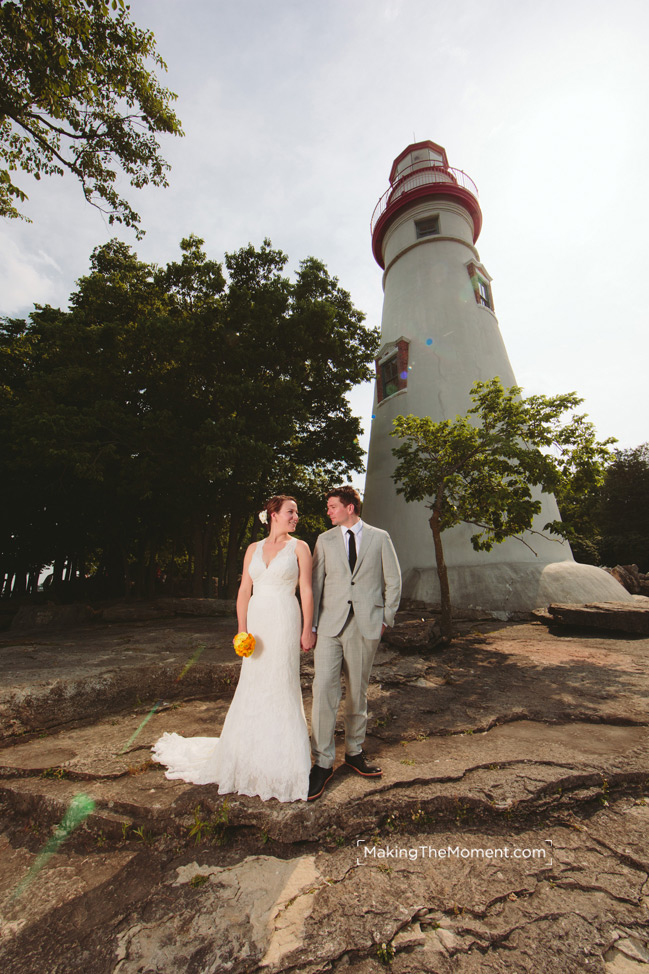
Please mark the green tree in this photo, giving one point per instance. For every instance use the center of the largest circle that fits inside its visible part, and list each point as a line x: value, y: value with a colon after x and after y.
x: 75, y: 422
x: 152, y: 420
x: 23, y: 534
x: 293, y: 350
x: 77, y: 94
x: 578, y: 494
x: 623, y: 516
x: 195, y: 282
x: 480, y: 468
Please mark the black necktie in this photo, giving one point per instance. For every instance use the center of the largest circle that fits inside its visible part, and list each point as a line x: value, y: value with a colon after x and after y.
x: 352, y: 550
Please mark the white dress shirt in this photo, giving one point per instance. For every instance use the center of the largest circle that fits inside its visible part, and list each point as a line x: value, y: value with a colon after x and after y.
x: 358, y: 533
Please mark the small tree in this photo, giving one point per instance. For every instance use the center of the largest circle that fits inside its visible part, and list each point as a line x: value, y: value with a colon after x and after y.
x: 479, y: 469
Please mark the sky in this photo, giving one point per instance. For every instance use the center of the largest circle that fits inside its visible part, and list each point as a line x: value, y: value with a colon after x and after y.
x: 293, y: 112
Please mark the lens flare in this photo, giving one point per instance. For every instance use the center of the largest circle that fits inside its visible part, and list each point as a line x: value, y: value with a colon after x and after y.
x: 190, y: 662
x: 80, y: 808
x: 142, y: 725
x: 194, y: 659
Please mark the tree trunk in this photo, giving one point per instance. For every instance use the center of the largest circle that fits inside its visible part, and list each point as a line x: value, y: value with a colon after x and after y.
x: 220, y: 565
x: 208, y: 549
x: 138, y: 571
x: 151, y: 574
x: 116, y: 582
x: 130, y: 580
x: 171, y: 573
x: 32, y: 585
x: 20, y: 584
x: 57, y: 577
x: 446, y: 621
x: 198, y: 545
x: 83, y: 571
x: 232, y: 560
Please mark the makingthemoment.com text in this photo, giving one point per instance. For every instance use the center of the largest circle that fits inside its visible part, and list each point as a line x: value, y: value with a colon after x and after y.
x: 450, y: 852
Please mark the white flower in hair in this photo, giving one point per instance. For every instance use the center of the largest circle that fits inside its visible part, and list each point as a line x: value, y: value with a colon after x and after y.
x: 263, y: 516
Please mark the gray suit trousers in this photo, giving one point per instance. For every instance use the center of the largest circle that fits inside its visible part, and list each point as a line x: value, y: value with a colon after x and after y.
x: 353, y: 654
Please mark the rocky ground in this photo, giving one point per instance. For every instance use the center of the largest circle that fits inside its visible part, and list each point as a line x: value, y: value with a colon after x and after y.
x: 508, y: 833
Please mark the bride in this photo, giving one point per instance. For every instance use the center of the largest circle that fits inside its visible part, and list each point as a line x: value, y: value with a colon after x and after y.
x: 264, y: 745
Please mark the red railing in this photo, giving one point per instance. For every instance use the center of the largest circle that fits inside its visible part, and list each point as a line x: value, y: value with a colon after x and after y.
x: 416, y: 176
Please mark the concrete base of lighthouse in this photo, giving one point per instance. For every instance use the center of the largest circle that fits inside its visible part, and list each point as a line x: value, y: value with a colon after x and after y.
x: 511, y: 591
x: 507, y: 582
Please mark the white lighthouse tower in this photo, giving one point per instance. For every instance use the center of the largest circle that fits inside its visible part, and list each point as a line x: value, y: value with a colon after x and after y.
x: 439, y: 335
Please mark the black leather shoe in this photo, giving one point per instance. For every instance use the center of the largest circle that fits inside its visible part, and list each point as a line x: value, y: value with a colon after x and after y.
x: 318, y: 778
x: 360, y: 765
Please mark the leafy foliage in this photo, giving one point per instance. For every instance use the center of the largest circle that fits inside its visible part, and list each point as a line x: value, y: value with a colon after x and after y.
x: 480, y: 468
x: 77, y: 94
x: 623, y: 514
x: 143, y: 429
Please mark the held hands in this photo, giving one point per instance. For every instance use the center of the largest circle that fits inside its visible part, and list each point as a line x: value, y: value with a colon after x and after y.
x: 308, y: 640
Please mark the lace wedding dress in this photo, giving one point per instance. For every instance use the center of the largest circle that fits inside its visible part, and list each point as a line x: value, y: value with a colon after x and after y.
x: 264, y: 745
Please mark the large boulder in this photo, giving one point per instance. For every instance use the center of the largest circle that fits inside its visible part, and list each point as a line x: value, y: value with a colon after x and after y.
x: 633, y: 580
x: 628, y: 576
x: 414, y: 636
x: 630, y: 617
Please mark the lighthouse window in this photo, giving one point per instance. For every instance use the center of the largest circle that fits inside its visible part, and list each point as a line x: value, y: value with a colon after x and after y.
x: 484, y: 294
x: 390, y: 376
x: 392, y: 369
x: 427, y: 227
x: 481, y: 287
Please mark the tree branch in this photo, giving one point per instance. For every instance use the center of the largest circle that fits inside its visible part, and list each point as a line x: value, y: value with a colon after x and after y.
x: 44, y: 120
x: 518, y: 537
x: 50, y: 148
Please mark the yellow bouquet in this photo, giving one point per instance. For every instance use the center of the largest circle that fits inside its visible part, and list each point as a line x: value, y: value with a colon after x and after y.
x: 244, y: 644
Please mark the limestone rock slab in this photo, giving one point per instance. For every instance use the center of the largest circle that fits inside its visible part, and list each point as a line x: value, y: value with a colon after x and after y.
x: 618, y: 616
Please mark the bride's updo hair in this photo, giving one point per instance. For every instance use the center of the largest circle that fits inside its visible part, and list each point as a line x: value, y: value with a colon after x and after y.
x: 274, y: 505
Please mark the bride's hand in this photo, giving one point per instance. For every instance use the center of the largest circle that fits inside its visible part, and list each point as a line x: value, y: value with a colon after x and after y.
x: 307, y: 641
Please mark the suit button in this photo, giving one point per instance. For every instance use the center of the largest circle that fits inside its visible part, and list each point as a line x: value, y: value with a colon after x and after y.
x: 352, y: 583
x: 349, y: 602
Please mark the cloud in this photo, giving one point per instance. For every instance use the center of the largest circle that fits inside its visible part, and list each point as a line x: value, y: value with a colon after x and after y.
x: 28, y: 278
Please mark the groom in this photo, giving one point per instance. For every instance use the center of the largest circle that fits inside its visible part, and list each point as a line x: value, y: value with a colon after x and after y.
x: 356, y: 591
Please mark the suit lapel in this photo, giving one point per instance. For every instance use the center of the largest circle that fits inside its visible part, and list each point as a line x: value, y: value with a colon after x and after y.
x: 339, y: 542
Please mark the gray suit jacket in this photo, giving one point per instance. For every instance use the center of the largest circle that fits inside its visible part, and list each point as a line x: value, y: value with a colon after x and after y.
x: 374, y: 589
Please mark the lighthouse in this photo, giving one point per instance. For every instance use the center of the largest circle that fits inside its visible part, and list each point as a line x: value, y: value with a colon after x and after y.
x: 439, y: 335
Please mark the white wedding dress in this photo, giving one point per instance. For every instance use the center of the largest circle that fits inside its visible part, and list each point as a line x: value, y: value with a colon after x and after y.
x: 264, y: 745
